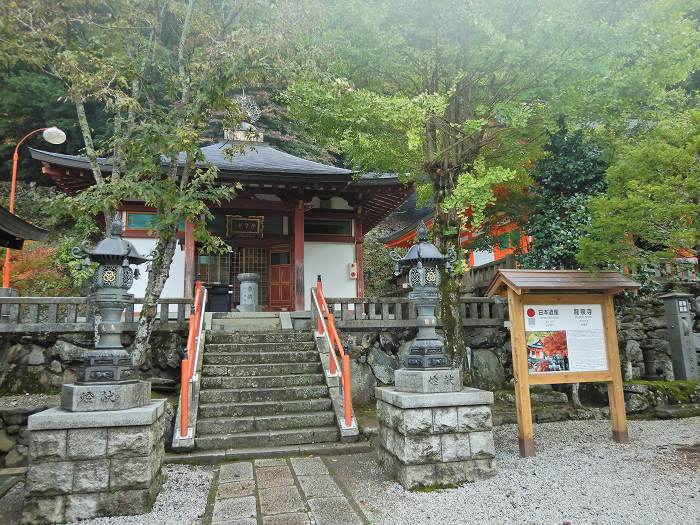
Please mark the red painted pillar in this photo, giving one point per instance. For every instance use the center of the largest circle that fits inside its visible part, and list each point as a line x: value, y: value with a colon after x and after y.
x: 359, y: 239
x: 189, y: 259
x: 299, y: 291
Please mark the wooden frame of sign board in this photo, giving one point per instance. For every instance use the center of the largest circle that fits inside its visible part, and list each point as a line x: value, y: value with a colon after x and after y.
x: 566, y: 289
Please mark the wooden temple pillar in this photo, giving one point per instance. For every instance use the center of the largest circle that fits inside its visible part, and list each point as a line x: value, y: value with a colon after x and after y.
x: 189, y: 259
x: 299, y: 290
x: 359, y: 240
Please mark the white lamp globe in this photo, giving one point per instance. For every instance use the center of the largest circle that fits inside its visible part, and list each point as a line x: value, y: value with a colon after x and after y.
x: 54, y: 135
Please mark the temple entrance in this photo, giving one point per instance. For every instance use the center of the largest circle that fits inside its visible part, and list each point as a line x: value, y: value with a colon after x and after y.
x: 273, y: 264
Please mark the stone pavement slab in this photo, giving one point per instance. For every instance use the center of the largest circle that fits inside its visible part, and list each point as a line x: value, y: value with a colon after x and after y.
x: 280, y: 500
x: 227, y: 510
x: 319, y: 487
x: 309, y: 466
x: 236, y: 489
x: 297, y: 518
x: 296, y: 491
x: 333, y: 511
x: 270, y: 462
x: 236, y: 471
x: 268, y: 477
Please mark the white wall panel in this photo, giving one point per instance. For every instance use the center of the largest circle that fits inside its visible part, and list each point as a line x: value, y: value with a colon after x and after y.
x: 331, y: 260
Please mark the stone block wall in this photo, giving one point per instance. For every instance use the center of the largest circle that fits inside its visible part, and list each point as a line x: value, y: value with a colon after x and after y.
x: 438, y: 445
x: 643, y: 337
x: 81, y: 472
x: 14, y: 436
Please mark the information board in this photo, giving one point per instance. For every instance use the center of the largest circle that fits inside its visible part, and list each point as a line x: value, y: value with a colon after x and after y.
x: 565, y: 338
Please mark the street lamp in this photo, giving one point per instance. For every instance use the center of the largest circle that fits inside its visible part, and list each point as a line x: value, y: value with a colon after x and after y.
x: 53, y: 135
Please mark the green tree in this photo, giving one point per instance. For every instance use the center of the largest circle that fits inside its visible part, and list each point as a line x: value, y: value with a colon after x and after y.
x: 456, y: 94
x: 651, y: 209
x: 160, y: 71
x: 564, y: 180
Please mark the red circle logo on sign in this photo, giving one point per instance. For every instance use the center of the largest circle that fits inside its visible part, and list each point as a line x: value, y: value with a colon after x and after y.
x: 531, y: 312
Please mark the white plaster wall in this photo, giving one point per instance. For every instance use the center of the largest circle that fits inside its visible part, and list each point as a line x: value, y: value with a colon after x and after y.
x: 482, y: 257
x: 175, y: 285
x: 331, y: 260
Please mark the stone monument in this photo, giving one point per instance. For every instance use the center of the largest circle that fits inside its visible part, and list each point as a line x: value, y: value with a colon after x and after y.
x: 432, y: 430
x: 679, y: 318
x: 249, y: 292
x: 99, y: 453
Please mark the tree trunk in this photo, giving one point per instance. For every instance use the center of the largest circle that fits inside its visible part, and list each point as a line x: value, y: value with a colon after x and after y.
x: 160, y: 270
x: 575, y: 399
x: 450, y: 313
x: 92, y: 155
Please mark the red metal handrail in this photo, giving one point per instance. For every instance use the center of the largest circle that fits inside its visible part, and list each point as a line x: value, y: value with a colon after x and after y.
x: 188, y: 365
x: 339, y: 357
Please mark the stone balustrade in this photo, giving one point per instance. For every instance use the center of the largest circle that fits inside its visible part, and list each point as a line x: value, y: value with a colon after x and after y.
x: 75, y: 314
x: 398, y: 312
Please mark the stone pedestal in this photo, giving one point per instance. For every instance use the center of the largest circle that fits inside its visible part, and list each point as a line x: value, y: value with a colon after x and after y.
x: 428, y: 381
x: 95, y: 397
x: 435, y: 439
x: 89, y: 464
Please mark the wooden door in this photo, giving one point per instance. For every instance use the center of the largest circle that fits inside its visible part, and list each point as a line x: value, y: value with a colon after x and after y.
x: 280, y: 278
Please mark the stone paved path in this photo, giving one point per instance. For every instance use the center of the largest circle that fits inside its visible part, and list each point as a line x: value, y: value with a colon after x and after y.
x: 292, y: 491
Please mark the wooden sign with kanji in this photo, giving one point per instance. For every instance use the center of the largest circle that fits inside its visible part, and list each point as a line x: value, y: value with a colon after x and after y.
x: 562, y: 329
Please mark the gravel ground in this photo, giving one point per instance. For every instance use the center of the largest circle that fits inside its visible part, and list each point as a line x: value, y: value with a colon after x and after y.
x: 182, y: 501
x: 579, y: 477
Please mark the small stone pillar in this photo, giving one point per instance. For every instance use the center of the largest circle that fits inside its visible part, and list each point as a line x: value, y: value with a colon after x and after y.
x: 249, y: 292
x: 679, y: 318
x: 89, y: 464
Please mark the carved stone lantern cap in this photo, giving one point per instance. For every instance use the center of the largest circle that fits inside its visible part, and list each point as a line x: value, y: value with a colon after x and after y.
x: 422, y: 252
x: 114, y: 249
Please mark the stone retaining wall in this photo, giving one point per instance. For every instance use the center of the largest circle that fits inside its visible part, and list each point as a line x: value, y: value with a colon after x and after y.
x: 641, y: 330
x: 14, y: 436
x: 42, y: 362
x: 643, y: 336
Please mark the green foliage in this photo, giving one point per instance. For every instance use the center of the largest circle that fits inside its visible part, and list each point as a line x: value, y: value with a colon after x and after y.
x: 474, y: 191
x: 558, y: 210
x: 652, y: 207
x: 377, y: 267
x: 368, y: 130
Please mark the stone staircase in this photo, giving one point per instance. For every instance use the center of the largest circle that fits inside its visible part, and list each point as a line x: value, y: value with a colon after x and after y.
x: 261, y: 386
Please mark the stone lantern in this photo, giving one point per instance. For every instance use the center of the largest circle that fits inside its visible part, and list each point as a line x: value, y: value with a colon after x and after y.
x: 100, y: 453
x: 424, y: 260
x: 432, y: 431
x: 107, y: 379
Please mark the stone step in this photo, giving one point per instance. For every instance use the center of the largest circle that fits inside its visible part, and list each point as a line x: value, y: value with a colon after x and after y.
x: 230, y: 348
x: 245, y: 315
x: 246, y: 324
x: 232, y: 425
x: 264, y: 336
x: 262, y: 381
x: 263, y: 408
x: 215, y: 456
x: 250, y: 358
x: 267, y: 439
x: 276, y: 369
x: 245, y: 395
